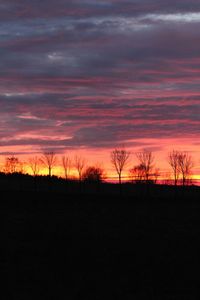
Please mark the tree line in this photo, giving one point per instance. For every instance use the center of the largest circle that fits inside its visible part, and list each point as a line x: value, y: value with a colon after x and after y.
x: 143, y: 172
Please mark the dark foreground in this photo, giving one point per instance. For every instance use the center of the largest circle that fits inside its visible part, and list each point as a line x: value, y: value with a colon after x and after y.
x: 78, y: 248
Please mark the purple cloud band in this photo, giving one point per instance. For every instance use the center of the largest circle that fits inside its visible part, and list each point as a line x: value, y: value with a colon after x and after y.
x: 98, y: 73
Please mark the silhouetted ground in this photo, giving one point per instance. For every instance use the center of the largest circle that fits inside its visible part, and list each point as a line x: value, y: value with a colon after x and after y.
x: 105, y: 247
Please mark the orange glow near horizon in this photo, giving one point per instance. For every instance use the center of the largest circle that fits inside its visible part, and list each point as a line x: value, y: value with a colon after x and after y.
x: 101, y: 157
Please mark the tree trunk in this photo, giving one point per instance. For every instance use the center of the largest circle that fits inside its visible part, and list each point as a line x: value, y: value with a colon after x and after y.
x: 120, y: 185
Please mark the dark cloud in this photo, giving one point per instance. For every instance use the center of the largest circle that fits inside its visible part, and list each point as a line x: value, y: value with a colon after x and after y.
x: 14, y: 9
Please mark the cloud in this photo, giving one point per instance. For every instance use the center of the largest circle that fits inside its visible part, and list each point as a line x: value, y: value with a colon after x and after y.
x: 98, y: 73
x: 85, y: 8
x: 63, y: 123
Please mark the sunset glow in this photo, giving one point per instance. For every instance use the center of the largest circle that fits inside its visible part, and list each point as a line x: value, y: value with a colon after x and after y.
x: 86, y: 77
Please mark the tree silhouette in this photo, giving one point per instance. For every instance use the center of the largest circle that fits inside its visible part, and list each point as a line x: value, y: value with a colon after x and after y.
x: 49, y: 160
x: 93, y: 174
x: 137, y: 173
x: 11, y: 164
x: 146, y: 162
x: 181, y: 163
x: 34, y: 163
x: 173, y: 159
x: 185, y: 165
x: 67, y: 164
x: 119, y: 159
x: 79, y: 164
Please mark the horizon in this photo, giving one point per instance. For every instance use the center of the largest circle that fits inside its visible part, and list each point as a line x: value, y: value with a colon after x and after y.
x: 109, y: 175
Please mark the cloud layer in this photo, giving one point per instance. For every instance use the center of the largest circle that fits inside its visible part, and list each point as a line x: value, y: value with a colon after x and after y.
x: 98, y: 74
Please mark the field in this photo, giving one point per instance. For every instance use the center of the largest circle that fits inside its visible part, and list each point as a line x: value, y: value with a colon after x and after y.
x: 68, y: 247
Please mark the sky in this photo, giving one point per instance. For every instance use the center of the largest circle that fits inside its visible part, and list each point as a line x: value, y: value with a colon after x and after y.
x: 88, y: 76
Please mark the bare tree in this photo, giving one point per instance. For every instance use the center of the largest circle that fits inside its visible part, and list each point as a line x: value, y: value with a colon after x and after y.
x: 119, y: 159
x: 173, y: 159
x: 34, y: 163
x: 11, y: 164
x: 79, y: 163
x: 146, y: 160
x: 49, y: 160
x: 67, y: 164
x: 185, y: 165
x: 181, y: 163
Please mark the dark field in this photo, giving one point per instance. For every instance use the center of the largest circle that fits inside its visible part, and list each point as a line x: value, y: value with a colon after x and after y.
x: 70, y: 247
